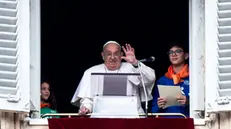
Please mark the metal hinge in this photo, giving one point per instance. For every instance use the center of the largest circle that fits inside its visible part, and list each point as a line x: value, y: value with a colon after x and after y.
x: 223, y: 100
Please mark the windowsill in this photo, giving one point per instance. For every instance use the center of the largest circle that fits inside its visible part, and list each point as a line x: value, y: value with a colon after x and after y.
x: 44, y: 122
x: 199, y: 122
x: 38, y: 122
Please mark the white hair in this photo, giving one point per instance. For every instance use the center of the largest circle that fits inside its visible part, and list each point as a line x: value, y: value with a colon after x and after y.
x: 114, y: 42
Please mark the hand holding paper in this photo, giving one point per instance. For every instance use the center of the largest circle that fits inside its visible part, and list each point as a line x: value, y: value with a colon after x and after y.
x: 182, y: 99
x: 170, y: 94
x: 161, y: 102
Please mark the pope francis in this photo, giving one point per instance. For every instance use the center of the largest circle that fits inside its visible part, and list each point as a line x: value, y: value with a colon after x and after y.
x: 112, y: 56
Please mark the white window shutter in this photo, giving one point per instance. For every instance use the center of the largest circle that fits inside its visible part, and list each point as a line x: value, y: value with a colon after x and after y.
x: 14, y: 55
x: 218, y: 55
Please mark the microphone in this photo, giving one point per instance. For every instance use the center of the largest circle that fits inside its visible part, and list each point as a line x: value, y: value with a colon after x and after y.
x: 151, y: 59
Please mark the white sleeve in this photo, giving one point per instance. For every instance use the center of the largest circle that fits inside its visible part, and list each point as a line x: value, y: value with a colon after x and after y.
x: 149, y: 78
x: 148, y: 74
x: 83, y: 89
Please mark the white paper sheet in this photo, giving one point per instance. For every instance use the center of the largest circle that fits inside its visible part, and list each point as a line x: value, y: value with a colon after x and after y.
x: 170, y: 93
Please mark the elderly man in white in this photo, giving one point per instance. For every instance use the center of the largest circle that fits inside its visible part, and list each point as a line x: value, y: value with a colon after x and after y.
x: 112, y: 55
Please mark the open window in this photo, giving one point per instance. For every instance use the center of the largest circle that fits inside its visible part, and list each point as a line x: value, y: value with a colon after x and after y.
x: 14, y: 56
x: 218, y: 55
x: 197, y: 51
x: 20, y: 55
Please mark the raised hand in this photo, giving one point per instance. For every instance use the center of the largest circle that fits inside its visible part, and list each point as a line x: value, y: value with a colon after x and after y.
x: 129, y: 54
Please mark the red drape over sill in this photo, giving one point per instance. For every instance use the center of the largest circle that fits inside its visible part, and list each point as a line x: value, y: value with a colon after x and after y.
x: 109, y: 123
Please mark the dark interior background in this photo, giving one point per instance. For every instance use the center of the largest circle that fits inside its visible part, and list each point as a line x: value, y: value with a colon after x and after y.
x: 73, y: 33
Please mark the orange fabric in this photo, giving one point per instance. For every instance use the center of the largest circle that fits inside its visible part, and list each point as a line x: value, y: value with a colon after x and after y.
x: 42, y: 105
x: 184, y: 72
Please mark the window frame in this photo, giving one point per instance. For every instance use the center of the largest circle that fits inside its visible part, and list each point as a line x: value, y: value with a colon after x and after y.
x: 197, y: 57
x: 35, y: 60
x: 196, y: 52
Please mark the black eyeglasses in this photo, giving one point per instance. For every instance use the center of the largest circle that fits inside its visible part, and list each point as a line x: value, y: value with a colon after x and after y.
x: 177, y: 52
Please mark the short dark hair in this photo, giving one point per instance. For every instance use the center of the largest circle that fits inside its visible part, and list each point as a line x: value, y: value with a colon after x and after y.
x: 184, y: 46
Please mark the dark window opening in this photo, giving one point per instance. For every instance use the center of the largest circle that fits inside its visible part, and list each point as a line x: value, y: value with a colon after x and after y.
x: 73, y: 34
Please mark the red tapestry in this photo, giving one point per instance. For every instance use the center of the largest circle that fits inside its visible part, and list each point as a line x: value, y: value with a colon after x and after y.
x: 109, y: 123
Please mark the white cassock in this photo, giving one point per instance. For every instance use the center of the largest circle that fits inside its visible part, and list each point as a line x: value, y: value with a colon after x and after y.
x: 84, y: 94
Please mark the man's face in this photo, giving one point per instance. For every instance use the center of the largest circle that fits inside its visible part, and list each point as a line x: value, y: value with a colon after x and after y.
x: 177, y: 56
x: 112, y: 56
